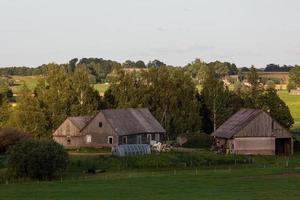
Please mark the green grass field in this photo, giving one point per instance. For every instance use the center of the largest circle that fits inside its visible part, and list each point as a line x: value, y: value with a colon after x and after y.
x: 101, y: 87
x: 246, y: 184
x: 268, y: 177
x: 30, y: 81
x: 294, y: 104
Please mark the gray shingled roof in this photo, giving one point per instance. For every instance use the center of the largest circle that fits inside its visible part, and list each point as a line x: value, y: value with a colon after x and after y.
x: 236, y: 122
x: 81, y: 121
x: 132, y: 121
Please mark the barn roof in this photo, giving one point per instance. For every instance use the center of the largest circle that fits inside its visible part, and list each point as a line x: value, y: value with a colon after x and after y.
x: 81, y: 121
x: 132, y: 121
x: 236, y: 122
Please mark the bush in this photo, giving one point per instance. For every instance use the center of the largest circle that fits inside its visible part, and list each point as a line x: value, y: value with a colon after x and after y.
x: 270, y: 84
x: 198, y: 140
x: 9, y: 137
x: 37, y: 159
x: 291, y: 86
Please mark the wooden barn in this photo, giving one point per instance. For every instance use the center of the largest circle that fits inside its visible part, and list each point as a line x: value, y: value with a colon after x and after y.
x: 253, y: 132
x: 109, y: 128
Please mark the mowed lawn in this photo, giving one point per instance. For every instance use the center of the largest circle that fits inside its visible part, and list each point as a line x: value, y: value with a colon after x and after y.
x: 293, y: 102
x: 245, y: 184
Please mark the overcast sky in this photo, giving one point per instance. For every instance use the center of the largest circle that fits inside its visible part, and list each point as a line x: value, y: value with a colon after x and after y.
x: 246, y: 32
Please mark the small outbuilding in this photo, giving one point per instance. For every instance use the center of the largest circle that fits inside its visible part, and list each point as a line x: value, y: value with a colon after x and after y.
x: 253, y: 132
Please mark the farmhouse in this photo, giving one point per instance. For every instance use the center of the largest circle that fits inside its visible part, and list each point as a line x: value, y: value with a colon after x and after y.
x: 253, y: 131
x: 295, y: 91
x: 109, y: 128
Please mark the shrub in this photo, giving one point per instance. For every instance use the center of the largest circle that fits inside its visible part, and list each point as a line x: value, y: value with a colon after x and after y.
x: 270, y: 84
x: 9, y: 137
x: 37, y: 159
x: 291, y: 86
x: 198, y: 140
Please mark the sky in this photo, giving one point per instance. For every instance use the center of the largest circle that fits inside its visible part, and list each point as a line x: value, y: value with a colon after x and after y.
x: 245, y: 32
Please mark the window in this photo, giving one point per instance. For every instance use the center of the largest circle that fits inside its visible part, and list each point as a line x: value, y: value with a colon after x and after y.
x: 124, y: 139
x: 157, y: 137
x: 110, y: 139
x: 88, y: 138
x: 100, y: 124
x: 272, y: 125
x: 149, y: 138
x: 139, y: 139
x: 68, y: 140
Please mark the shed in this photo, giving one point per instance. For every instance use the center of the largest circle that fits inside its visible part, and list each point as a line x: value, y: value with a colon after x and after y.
x: 253, y: 131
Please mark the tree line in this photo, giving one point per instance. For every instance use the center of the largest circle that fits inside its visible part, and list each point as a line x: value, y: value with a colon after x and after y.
x: 99, y: 68
x: 170, y: 93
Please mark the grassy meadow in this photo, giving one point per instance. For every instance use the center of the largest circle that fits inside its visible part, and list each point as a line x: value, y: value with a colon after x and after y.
x: 30, y: 81
x: 269, y: 177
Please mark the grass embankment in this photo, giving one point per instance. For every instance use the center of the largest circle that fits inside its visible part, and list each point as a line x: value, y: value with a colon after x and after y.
x: 274, y: 180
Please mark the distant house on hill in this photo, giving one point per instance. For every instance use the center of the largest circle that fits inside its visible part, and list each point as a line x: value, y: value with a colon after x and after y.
x: 295, y: 91
x: 109, y: 128
x: 253, y: 131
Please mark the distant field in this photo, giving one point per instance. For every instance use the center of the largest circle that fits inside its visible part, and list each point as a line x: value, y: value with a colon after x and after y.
x: 101, y: 87
x: 294, y: 104
x: 30, y: 81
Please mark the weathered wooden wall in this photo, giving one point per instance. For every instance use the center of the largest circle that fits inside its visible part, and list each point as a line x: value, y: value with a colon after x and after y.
x: 68, y: 131
x: 100, y: 134
x: 254, y: 145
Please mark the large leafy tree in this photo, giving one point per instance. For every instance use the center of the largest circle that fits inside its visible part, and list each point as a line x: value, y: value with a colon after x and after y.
x: 28, y: 116
x: 294, y: 75
x: 255, y: 96
x: 169, y: 94
x: 252, y: 91
x: 270, y: 102
x: 61, y: 94
x: 195, y: 69
x: 221, y: 102
x: 5, y: 110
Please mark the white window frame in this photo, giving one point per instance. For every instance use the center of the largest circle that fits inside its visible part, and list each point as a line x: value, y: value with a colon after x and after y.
x: 157, y: 137
x: 88, y: 138
x: 139, y: 139
x: 108, y: 139
x: 149, y: 137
